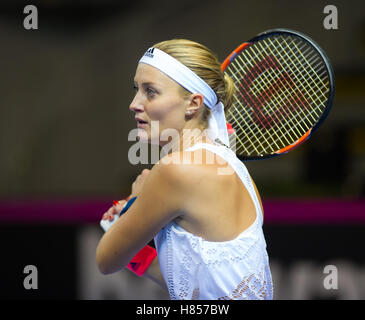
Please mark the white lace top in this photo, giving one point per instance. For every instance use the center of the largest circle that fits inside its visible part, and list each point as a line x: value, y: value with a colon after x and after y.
x: 194, y: 268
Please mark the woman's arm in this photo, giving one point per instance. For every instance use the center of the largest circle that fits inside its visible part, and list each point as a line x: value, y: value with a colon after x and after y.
x: 160, y: 200
x: 153, y: 271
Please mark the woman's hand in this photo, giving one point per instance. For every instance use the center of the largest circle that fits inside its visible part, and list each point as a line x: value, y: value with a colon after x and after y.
x: 119, y: 205
x: 139, y: 182
x: 115, y: 209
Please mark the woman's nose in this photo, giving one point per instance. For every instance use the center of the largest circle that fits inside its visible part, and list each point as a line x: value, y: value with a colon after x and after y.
x: 136, y: 104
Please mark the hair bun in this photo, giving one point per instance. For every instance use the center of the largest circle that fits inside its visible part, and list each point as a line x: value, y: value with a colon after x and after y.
x: 229, y: 92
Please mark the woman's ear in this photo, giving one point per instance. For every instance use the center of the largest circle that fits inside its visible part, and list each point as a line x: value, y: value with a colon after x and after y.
x: 196, y: 100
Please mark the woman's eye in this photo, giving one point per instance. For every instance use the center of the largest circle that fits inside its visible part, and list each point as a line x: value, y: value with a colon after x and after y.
x: 135, y: 88
x: 150, y: 92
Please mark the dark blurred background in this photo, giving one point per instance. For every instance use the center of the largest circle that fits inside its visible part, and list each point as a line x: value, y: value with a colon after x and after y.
x: 65, y: 90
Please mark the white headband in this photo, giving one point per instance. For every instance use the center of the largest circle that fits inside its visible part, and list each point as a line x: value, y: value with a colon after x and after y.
x: 194, y: 84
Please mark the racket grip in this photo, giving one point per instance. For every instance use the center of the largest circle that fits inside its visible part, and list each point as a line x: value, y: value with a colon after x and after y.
x: 106, y: 224
x: 142, y: 260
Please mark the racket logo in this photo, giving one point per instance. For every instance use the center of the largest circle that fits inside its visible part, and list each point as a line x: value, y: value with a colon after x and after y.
x: 134, y: 265
x: 261, y: 99
x: 149, y: 53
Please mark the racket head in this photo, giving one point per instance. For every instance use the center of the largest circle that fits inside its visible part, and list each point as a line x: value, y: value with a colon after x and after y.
x: 284, y: 91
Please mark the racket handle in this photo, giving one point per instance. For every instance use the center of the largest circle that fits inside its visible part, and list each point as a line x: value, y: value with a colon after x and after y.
x: 106, y: 224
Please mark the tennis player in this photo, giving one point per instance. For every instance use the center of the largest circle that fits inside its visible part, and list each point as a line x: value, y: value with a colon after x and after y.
x: 206, y: 226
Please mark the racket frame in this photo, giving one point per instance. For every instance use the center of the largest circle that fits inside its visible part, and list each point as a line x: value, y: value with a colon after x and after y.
x: 331, y: 77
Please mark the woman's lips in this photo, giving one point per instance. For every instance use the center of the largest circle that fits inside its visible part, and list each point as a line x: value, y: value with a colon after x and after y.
x: 141, y: 123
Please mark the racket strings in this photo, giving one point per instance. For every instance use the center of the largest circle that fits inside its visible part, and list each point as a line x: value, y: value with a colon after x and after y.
x: 307, y: 87
x: 237, y: 70
x: 291, y: 120
x: 275, y: 99
x: 238, y: 113
x: 282, y: 135
x: 310, y: 65
x: 297, y: 88
x: 256, y: 133
x: 295, y: 80
x: 260, y: 133
x: 311, y: 81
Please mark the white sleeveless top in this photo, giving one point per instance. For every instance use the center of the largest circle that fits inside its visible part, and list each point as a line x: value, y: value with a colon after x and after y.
x: 194, y: 268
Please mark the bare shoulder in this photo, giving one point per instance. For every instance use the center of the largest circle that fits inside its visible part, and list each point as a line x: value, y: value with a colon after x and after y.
x: 187, y: 166
x: 191, y: 173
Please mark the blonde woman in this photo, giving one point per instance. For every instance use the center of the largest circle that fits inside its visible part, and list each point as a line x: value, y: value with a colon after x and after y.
x: 207, y: 226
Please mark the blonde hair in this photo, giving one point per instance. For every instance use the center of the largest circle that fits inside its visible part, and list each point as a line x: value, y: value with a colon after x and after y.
x: 201, y: 60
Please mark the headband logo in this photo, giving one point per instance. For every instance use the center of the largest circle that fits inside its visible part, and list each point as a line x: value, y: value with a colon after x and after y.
x: 149, y: 52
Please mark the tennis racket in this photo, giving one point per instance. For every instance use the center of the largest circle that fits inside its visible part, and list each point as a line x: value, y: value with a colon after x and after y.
x: 284, y: 90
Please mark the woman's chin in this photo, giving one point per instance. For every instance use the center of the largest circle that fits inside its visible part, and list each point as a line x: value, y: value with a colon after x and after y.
x: 142, y: 135
x: 145, y: 137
